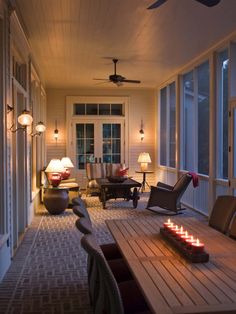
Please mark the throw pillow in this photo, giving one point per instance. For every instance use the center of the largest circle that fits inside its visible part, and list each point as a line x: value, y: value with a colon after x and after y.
x: 122, y: 172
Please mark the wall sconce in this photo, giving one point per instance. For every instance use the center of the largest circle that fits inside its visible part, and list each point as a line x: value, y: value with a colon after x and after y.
x: 40, y: 128
x: 56, y: 132
x: 25, y: 119
x: 141, y: 131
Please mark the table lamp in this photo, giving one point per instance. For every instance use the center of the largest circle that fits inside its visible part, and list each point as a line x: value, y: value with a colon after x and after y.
x: 55, y: 169
x: 144, y: 159
x: 67, y: 163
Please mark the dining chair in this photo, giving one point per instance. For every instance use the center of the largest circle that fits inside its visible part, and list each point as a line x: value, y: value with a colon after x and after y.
x: 110, y: 251
x: 232, y: 230
x: 110, y: 296
x: 222, y: 213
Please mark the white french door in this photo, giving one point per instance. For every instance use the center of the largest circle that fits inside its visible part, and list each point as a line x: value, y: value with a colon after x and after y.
x: 96, y: 140
x: 232, y: 151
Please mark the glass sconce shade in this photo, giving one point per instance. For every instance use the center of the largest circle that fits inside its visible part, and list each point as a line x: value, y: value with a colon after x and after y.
x: 40, y: 127
x: 25, y: 119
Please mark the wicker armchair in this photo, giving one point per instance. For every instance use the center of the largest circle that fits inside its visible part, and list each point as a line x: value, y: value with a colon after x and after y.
x: 167, y: 196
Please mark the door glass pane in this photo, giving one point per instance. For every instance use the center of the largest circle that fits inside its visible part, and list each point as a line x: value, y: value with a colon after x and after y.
x: 91, y: 109
x: 89, y: 146
x: 111, y: 142
x: 203, y: 118
x: 188, y: 123
x: 89, y: 131
x: 80, y: 131
x: 116, y: 109
x: 85, y: 144
x: 116, y: 159
x: 107, y: 158
x: 116, y: 146
x: 116, y: 130
x: 106, y: 130
x: 80, y: 146
x: 104, y: 109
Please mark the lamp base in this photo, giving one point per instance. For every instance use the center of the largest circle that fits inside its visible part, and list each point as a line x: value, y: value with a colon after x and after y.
x: 55, y: 179
x: 66, y: 174
x: 144, y: 166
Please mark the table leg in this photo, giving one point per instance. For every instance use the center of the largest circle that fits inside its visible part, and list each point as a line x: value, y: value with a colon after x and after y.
x: 103, y: 198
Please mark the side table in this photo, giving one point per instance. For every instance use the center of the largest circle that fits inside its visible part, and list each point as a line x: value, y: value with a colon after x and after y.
x: 144, y: 182
x: 56, y: 199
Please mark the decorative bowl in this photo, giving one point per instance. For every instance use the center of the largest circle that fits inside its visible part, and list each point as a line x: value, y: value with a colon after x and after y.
x: 116, y: 179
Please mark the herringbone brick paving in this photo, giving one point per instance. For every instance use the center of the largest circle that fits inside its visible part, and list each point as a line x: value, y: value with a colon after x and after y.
x: 48, y: 272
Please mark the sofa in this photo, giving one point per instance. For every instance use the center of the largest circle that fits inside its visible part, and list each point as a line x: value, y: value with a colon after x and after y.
x: 101, y: 170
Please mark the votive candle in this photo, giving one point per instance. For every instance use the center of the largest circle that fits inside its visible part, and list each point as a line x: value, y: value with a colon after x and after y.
x: 197, y: 247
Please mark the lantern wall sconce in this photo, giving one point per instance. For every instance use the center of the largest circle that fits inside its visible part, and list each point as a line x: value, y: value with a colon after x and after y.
x: 40, y: 128
x: 141, y: 131
x: 25, y: 119
x: 56, y: 132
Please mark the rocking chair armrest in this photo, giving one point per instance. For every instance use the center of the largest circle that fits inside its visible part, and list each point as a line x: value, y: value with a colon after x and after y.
x: 157, y: 190
x: 165, y: 186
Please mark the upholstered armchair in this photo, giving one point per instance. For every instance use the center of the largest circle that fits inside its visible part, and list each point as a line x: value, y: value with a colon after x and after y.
x: 167, y: 196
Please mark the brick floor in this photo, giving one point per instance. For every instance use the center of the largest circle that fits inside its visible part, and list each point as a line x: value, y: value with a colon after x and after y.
x: 48, y: 272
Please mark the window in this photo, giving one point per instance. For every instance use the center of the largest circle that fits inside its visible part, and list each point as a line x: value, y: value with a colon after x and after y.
x: 168, y: 126
x: 98, y: 109
x: 195, y: 151
x: 222, y: 115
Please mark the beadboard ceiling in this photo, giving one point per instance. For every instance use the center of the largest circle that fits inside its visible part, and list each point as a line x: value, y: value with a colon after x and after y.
x: 74, y: 41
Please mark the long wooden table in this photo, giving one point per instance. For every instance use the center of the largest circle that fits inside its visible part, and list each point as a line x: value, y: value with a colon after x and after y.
x: 169, y: 282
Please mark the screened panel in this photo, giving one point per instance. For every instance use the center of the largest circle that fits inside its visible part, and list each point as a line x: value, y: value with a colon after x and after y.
x: 222, y: 114
x: 203, y: 118
x: 188, y: 122
x: 163, y: 126
x: 172, y: 126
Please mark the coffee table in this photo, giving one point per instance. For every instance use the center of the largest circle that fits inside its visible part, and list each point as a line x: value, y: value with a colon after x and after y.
x: 110, y: 190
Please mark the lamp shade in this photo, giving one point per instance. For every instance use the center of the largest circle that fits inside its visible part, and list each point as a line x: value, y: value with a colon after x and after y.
x: 40, y: 127
x: 25, y: 119
x: 144, y: 157
x: 67, y: 163
x: 55, y: 165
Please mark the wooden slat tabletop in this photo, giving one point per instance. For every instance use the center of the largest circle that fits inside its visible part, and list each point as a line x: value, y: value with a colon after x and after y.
x: 170, y: 283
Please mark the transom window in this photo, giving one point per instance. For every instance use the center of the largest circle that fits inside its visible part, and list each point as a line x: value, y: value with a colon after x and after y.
x: 81, y: 109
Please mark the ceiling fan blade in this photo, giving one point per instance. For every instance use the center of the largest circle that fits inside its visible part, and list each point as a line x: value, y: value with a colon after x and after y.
x: 209, y: 3
x: 156, y: 4
x: 131, y: 81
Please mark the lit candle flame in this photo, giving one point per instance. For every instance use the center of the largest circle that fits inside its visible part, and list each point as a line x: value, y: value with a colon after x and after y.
x: 197, y: 241
x: 186, y: 233
x: 181, y: 228
x: 191, y: 238
x: 168, y: 221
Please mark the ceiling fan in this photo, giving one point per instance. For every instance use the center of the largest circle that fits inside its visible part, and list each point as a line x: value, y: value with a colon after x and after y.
x: 116, y: 78
x: 208, y: 3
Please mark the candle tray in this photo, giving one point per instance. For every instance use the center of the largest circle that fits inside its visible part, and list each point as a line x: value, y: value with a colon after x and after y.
x: 202, y: 257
